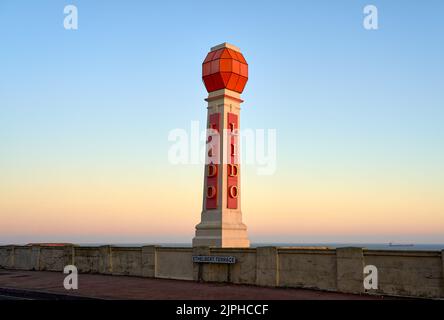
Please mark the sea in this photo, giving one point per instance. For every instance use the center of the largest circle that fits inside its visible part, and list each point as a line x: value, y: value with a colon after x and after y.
x: 374, y: 246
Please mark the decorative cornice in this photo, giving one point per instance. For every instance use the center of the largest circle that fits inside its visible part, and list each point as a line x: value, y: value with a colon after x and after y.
x: 222, y: 96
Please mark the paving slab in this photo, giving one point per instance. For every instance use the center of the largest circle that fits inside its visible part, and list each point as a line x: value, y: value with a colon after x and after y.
x: 125, y: 287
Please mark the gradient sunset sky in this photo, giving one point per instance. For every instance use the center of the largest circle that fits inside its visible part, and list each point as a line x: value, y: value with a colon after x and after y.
x: 85, y: 117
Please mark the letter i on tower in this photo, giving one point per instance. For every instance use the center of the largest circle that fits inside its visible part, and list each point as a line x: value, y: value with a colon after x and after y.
x: 225, y: 74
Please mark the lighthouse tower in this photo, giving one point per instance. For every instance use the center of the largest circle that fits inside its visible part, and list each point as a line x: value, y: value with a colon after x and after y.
x: 224, y: 73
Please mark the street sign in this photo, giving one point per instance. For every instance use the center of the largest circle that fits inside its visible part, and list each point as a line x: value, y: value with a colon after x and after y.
x: 214, y: 259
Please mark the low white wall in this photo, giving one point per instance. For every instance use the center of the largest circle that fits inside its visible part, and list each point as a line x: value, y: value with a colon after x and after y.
x: 404, y: 273
x: 307, y: 268
x: 410, y: 273
x: 174, y: 263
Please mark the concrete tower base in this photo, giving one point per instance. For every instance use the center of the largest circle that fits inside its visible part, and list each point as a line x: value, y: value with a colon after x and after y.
x: 220, y: 234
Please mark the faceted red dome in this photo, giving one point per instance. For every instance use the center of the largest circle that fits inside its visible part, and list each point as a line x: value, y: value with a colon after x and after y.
x: 225, y: 68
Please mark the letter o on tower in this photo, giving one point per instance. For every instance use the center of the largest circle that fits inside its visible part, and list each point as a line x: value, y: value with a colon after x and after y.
x: 211, y: 192
x: 233, y: 192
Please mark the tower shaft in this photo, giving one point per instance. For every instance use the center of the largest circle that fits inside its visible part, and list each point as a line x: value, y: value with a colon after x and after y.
x: 221, y: 219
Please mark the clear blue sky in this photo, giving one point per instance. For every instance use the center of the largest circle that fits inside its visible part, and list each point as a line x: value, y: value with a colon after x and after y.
x: 342, y: 98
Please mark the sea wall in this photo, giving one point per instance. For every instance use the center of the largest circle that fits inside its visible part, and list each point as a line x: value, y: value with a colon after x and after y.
x: 402, y: 273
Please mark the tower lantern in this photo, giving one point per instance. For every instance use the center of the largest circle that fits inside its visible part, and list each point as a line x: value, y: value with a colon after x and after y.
x: 225, y: 74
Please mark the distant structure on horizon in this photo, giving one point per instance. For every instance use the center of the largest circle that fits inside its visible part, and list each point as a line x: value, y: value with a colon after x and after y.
x: 225, y: 74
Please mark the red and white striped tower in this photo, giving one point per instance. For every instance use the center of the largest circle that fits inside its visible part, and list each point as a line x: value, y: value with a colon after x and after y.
x: 225, y: 74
